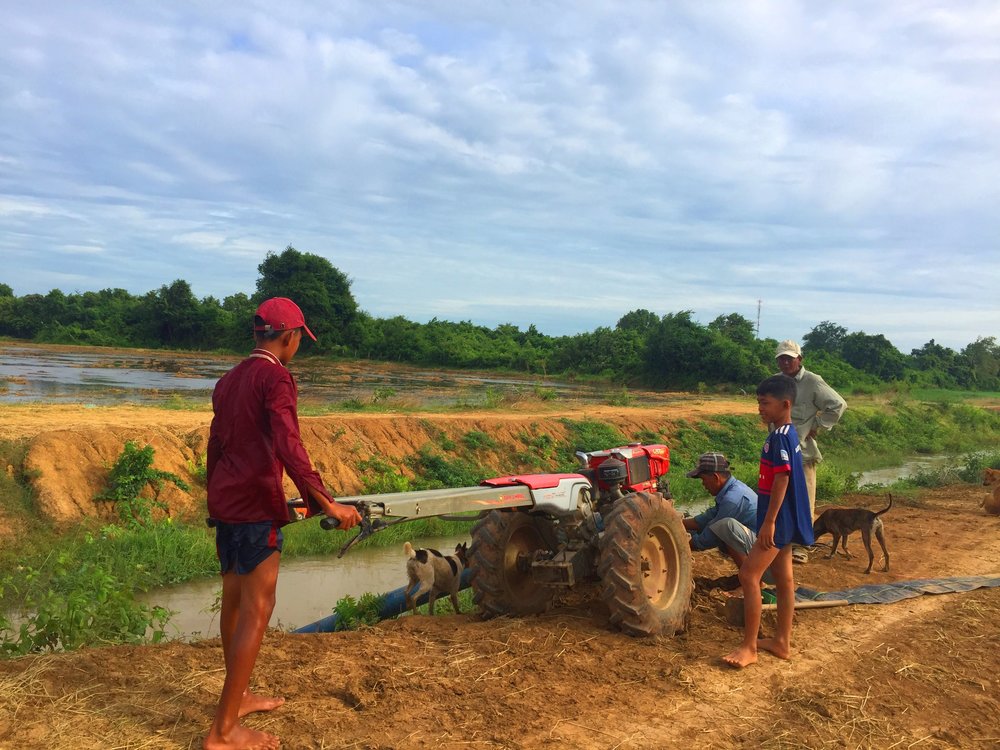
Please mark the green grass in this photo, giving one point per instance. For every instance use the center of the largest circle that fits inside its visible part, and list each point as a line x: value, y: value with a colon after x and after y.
x: 939, y: 395
x: 308, y: 538
x: 177, y: 402
x: 15, y: 492
x: 477, y: 440
x: 443, y: 605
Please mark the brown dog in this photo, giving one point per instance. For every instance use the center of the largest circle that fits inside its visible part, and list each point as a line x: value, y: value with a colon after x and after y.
x: 841, y: 522
x: 991, y: 478
x: 433, y: 574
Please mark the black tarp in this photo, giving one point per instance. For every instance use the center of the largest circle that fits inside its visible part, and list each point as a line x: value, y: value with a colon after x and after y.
x: 886, y: 593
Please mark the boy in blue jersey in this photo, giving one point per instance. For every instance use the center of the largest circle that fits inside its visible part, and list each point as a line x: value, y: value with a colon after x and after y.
x: 783, y: 518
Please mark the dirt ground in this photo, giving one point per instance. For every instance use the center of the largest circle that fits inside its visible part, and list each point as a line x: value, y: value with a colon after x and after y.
x: 918, y: 673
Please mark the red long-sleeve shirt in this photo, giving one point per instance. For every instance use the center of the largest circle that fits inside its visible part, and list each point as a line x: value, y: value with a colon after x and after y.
x: 254, y: 435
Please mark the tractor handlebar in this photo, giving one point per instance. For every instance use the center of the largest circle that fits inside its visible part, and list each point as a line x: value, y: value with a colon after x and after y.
x: 328, y: 524
x: 371, y: 520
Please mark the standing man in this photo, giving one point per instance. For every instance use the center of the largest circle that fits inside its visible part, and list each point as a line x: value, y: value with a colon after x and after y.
x: 817, y: 406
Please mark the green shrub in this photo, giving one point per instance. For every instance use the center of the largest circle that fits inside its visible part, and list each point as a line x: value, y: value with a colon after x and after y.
x: 132, y: 473
x: 538, y: 449
x: 545, y: 394
x: 495, y: 398
x: 379, y: 476
x: 80, y: 604
x: 587, y: 435
x: 382, y: 394
x: 15, y: 489
x: 438, y: 435
x: 972, y: 472
x: 353, y: 613
x: 621, y: 398
x: 476, y: 440
x: 833, y: 481
x: 434, y: 470
x: 199, y: 469
x: 939, y: 477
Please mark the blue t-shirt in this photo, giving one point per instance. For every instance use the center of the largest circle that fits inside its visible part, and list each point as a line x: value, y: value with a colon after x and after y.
x: 782, y: 455
x: 735, y: 500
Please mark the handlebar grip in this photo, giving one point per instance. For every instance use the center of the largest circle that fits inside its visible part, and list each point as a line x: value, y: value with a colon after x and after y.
x: 329, y: 524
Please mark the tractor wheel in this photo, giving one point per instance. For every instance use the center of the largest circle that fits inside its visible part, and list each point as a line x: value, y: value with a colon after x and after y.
x: 645, y: 566
x: 503, y: 544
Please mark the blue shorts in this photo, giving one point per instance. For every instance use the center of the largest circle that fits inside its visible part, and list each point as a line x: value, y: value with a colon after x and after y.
x: 244, y: 546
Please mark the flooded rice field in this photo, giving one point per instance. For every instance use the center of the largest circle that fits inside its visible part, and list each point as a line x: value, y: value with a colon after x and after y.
x: 102, y: 376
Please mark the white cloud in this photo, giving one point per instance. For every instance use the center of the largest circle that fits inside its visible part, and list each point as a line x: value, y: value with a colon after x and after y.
x: 830, y: 159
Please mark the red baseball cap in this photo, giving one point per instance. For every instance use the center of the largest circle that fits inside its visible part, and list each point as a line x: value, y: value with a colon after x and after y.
x: 281, y: 314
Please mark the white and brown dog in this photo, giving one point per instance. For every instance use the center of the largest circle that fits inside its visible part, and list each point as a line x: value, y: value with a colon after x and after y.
x: 434, y: 574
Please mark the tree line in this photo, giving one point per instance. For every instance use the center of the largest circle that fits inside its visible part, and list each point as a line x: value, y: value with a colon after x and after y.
x: 672, y: 350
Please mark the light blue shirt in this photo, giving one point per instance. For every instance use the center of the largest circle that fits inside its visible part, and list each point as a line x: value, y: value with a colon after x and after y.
x: 735, y: 500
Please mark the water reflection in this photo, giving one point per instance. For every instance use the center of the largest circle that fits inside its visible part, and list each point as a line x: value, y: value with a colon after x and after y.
x: 103, y: 376
x: 41, y: 374
x: 308, y: 587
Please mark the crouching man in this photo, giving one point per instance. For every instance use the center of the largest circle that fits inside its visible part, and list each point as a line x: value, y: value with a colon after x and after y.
x: 728, y: 523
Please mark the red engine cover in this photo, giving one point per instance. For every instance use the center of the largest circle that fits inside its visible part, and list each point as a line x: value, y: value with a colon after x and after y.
x: 645, y: 463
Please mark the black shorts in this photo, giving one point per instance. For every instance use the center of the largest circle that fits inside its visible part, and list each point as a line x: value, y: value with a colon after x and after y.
x: 244, y: 546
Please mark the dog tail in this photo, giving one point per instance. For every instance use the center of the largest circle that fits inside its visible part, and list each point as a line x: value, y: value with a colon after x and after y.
x: 886, y: 508
x: 408, y: 549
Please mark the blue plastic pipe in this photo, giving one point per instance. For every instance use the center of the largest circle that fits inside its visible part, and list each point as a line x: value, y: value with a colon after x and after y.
x: 394, y: 605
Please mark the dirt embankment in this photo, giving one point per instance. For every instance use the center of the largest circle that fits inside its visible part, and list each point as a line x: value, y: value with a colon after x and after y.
x: 920, y: 673
x: 71, y: 448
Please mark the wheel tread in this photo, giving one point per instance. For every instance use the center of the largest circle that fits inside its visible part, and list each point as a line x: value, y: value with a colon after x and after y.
x: 626, y: 525
x: 490, y: 536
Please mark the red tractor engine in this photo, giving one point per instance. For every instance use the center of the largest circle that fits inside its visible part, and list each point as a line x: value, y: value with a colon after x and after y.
x: 632, y: 468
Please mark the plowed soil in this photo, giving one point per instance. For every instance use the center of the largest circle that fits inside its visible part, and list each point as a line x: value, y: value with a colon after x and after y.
x: 919, y: 673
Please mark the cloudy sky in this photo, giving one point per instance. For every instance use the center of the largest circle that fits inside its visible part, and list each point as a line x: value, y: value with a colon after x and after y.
x: 556, y: 163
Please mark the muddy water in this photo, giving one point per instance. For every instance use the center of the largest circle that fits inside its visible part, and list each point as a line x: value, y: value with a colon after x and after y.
x: 909, y: 468
x: 107, y: 376
x: 308, y: 587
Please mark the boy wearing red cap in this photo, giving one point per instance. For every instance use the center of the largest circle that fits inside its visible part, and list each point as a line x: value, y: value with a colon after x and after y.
x: 254, y: 438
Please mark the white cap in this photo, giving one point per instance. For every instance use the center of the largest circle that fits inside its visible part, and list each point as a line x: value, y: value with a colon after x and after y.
x: 788, y: 348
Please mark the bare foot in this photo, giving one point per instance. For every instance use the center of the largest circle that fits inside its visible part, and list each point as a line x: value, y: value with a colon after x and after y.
x: 774, y: 646
x: 252, y: 703
x: 241, y: 738
x: 741, y: 657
